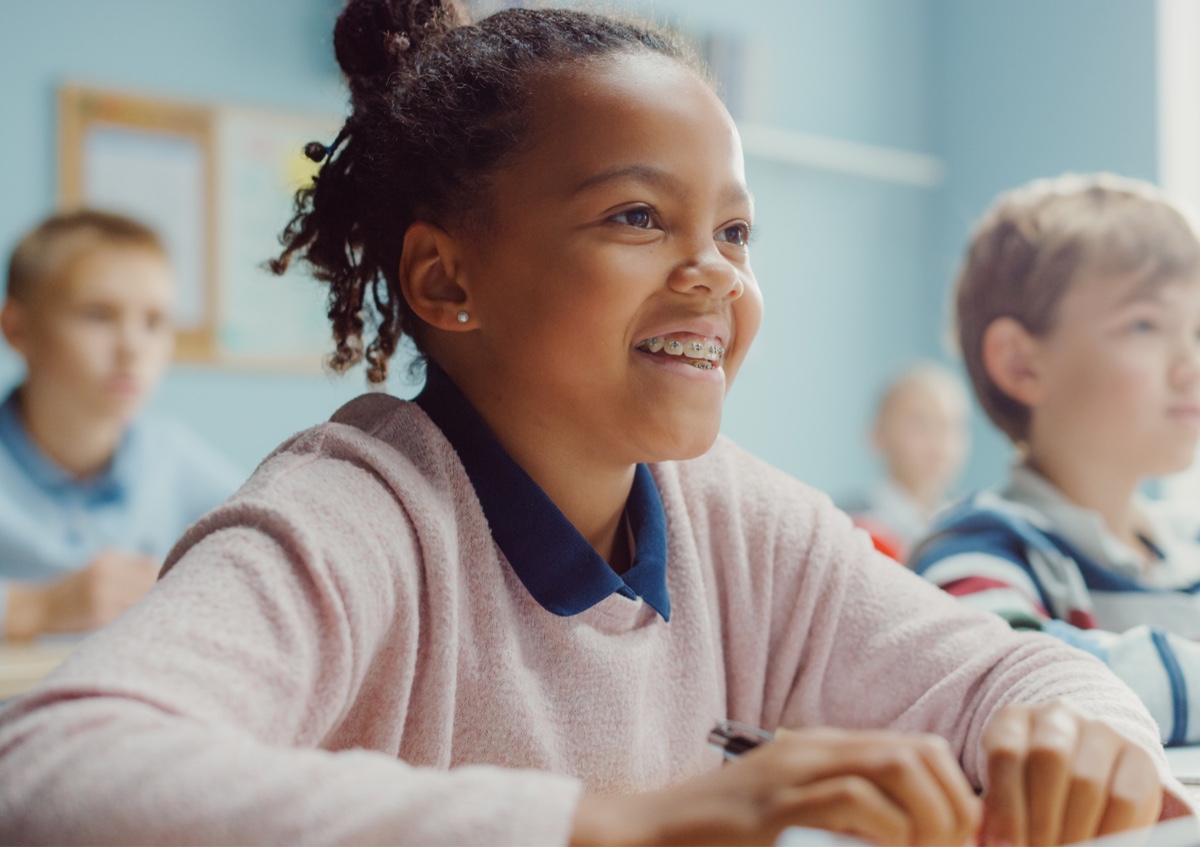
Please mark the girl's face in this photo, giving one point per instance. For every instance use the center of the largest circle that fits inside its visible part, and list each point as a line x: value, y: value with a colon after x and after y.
x: 620, y: 230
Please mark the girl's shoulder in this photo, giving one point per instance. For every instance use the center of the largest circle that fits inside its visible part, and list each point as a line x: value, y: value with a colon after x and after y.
x: 363, y: 484
x: 376, y: 431
x: 375, y: 450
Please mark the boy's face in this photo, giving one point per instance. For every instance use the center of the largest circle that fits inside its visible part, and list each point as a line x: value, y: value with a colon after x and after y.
x: 1120, y: 375
x: 99, y: 337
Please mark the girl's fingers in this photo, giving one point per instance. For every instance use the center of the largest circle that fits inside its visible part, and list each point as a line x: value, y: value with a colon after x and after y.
x: 903, y: 774
x: 966, y: 806
x: 1006, y: 741
x: 848, y: 804
x: 917, y: 773
x: 1091, y: 778
x: 1053, y: 738
x: 1135, y: 794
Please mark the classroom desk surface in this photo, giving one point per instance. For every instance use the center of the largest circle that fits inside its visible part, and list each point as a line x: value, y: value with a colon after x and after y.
x: 24, y: 664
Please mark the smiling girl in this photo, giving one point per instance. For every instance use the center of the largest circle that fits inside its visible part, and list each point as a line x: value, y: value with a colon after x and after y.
x: 510, y: 611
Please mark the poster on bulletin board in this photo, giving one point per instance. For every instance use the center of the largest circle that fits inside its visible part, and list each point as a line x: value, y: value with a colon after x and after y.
x: 265, y: 318
x: 218, y: 183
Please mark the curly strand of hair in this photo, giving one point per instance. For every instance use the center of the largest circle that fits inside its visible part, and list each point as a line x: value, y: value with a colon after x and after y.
x: 323, y: 231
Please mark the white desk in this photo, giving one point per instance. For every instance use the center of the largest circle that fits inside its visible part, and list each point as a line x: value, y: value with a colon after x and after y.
x: 1185, y: 764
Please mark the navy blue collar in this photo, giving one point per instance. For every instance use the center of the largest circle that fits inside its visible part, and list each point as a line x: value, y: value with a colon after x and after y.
x: 553, y: 561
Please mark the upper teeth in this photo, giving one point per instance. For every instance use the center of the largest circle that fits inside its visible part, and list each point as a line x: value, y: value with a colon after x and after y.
x: 709, y: 349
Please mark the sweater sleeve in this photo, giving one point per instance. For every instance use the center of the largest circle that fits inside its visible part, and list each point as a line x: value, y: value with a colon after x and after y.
x: 201, y: 715
x: 877, y: 646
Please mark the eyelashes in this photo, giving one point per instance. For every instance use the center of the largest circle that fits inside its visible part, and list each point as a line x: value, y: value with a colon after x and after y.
x: 638, y: 217
x: 738, y: 233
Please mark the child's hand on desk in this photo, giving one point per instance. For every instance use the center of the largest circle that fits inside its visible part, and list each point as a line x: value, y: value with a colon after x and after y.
x: 890, y: 788
x: 87, y: 599
x: 1056, y: 777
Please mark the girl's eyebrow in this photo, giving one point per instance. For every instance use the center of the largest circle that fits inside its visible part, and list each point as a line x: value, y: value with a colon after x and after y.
x: 659, y: 178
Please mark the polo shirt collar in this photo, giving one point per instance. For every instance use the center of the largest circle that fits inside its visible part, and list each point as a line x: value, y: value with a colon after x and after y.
x: 557, y: 566
x: 112, y: 484
x: 1079, y: 526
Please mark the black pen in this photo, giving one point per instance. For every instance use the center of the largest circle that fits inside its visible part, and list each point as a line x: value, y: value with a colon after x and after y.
x: 733, y: 738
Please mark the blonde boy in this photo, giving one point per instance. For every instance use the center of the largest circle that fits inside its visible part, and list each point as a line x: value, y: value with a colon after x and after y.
x: 90, y: 500
x: 1078, y: 313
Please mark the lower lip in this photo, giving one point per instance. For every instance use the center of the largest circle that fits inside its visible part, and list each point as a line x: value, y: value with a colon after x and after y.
x: 678, y: 365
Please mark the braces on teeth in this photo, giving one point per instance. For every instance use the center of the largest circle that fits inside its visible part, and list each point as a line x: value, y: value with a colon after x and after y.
x: 697, y: 354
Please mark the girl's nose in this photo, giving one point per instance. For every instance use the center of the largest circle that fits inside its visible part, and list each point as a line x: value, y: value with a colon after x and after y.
x: 709, y: 271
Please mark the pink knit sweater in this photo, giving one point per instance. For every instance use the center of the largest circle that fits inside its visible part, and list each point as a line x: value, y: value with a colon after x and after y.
x: 341, y: 654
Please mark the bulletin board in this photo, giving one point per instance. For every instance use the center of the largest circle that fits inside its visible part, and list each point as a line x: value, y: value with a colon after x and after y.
x: 217, y: 182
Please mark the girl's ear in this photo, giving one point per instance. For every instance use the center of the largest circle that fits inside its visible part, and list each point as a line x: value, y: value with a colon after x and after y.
x: 432, y: 278
x: 12, y: 324
x: 1011, y: 358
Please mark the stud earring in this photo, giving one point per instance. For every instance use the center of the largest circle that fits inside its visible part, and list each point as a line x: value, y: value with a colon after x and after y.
x: 463, y: 317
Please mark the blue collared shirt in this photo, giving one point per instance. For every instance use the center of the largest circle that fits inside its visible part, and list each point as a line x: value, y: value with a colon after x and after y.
x: 161, y: 479
x: 556, y: 564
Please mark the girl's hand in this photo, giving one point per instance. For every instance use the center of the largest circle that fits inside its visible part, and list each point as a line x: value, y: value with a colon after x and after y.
x: 889, y: 788
x: 1055, y: 777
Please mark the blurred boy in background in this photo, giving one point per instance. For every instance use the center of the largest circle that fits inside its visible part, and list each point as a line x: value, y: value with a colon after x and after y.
x: 1078, y: 311
x: 920, y: 432
x: 91, y: 496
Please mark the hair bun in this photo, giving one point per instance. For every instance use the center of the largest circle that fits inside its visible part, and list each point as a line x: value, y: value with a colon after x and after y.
x: 372, y: 37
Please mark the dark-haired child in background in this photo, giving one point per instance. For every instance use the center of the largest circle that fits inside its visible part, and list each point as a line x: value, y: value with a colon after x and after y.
x: 509, y: 612
x: 91, y: 496
x: 1079, y: 319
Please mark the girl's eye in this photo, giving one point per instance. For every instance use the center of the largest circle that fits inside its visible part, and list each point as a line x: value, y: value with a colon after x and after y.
x: 1143, y: 326
x: 738, y: 234
x: 639, y: 217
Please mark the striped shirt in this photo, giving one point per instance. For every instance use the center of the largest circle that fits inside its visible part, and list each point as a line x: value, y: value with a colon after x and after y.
x: 1040, y: 561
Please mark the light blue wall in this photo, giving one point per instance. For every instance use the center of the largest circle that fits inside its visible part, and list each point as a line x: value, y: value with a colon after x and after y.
x: 273, y: 53
x: 855, y: 272
x: 1027, y: 89
x: 842, y: 260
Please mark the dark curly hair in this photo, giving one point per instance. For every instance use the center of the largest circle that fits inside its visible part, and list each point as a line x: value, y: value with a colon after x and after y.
x: 437, y: 101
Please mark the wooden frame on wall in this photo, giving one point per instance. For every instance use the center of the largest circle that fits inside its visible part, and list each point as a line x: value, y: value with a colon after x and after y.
x: 156, y: 161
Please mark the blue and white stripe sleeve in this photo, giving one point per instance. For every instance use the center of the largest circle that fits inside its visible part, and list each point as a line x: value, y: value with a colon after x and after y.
x: 1161, y: 668
x: 985, y: 574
